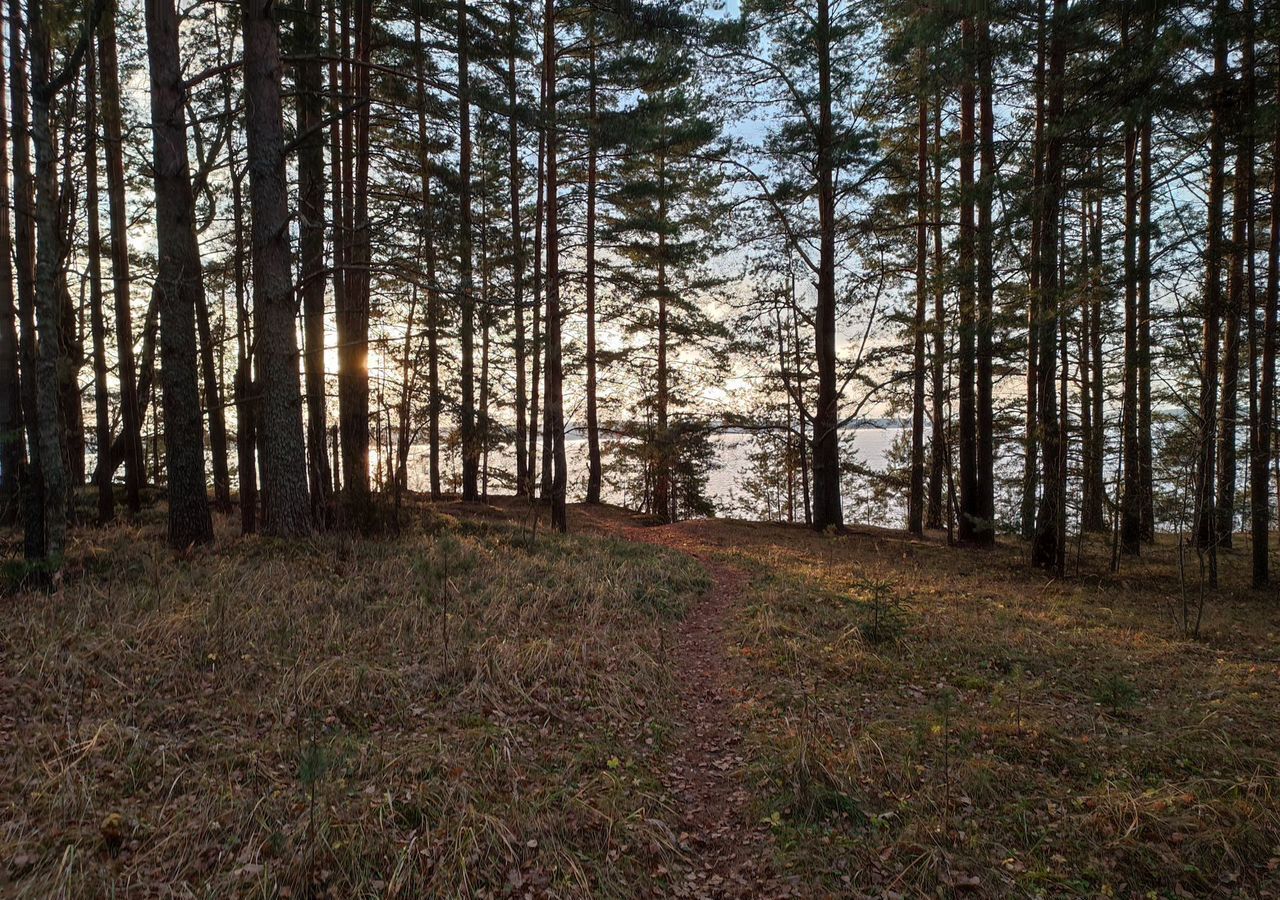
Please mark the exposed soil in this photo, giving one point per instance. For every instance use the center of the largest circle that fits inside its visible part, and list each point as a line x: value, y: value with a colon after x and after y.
x: 728, y: 849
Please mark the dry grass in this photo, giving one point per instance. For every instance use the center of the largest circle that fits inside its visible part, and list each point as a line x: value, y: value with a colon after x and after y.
x: 462, y: 709
x: 1007, y: 735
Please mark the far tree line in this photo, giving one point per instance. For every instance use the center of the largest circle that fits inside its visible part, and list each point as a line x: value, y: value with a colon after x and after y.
x: 256, y: 253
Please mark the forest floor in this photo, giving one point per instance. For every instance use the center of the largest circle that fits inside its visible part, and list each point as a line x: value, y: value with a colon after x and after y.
x: 477, y: 707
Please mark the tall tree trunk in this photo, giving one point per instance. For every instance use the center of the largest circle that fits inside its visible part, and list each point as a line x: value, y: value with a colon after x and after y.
x: 1240, y: 288
x: 801, y: 410
x: 915, y: 501
x: 466, y: 299
x: 32, y: 482
x: 536, y: 345
x: 1093, y: 511
x: 101, y: 394
x: 178, y: 280
x: 428, y: 242
x: 555, y: 376
x: 664, y: 461
x: 1205, y: 506
x: 1264, y: 431
x: 970, y: 518
x: 246, y: 432
x: 984, y: 509
x: 517, y: 251
x: 1048, y: 548
x: 311, y: 224
x: 828, y: 511
x: 286, y: 508
x: 1131, y: 492
x: 213, y: 405
x: 1146, y: 465
x: 12, y: 448
x: 51, y: 325
x: 939, y: 452
x: 1030, y: 461
x: 352, y: 300
x: 126, y: 371
x: 594, y: 471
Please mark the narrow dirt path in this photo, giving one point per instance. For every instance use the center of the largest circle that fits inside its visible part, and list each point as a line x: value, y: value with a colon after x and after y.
x: 728, y: 852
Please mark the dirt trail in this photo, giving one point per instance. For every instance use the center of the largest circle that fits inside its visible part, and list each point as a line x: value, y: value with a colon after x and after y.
x: 728, y: 852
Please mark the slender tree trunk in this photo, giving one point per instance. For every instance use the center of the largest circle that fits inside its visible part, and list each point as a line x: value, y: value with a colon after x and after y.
x: 311, y: 224
x: 1131, y: 493
x: 126, y: 372
x: 1240, y: 288
x: 938, y: 449
x: 984, y: 510
x: 828, y: 511
x: 969, y: 519
x: 555, y: 376
x: 662, y: 494
x: 352, y: 300
x: 536, y: 347
x: 101, y: 394
x: 12, y: 449
x: 1030, y: 462
x: 246, y: 432
x: 50, y: 310
x: 32, y: 482
x: 1263, y: 433
x: 1048, y: 549
x: 517, y: 253
x: 1093, y: 513
x: 286, y: 506
x: 594, y: 470
x: 178, y: 280
x: 1146, y: 466
x: 915, y: 501
x: 1205, y: 504
x: 466, y: 299
x: 213, y: 405
x: 428, y: 243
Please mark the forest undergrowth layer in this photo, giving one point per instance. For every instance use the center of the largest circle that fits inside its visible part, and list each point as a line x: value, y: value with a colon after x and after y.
x: 477, y: 707
x: 466, y: 709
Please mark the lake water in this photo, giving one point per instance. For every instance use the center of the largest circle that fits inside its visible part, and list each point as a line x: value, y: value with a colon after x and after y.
x: 870, y: 443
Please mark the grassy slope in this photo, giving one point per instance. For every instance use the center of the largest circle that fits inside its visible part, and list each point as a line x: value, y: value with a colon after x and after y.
x: 1004, y: 734
x: 264, y: 719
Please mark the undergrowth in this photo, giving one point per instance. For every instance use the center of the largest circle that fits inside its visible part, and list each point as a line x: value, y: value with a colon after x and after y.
x: 458, y: 710
x: 962, y: 727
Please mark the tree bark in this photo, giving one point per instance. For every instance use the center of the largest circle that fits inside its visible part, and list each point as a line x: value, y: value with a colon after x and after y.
x: 1206, y: 525
x: 555, y: 375
x: 352, y: 299
x: 101, y: 393
x: 594, y: 470
x: 517, y: 253
x: 969, y: 521
x: 1131, y: 493
x: 286, y: 507
x: 178, y: 280
x: 1030, y: 462
x: 311, y: 225
x: 1263, y: 433
x: 828, y: 511
x: 939, y: 452
x: 466, y: 298
x: 113, y: 146
x: 915, y: 495
x: 984, y: 509
x: 1048, y: 548
x: 1240, y: 288
x: 12, y: 448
